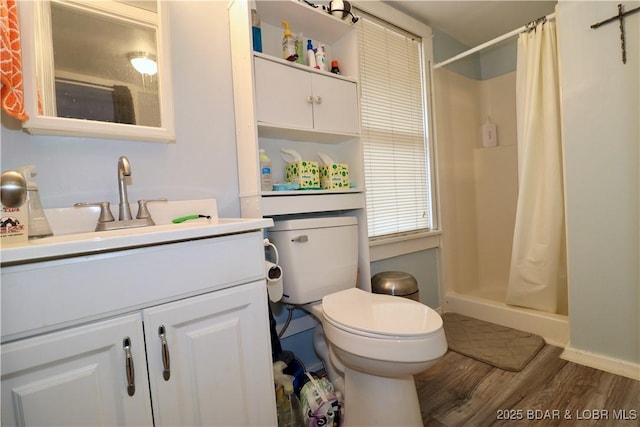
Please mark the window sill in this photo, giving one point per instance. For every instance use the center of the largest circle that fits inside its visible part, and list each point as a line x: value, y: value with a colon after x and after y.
x: 402, y: 245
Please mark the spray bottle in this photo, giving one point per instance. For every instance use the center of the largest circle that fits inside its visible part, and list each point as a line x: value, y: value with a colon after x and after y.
x: 287, y: 403
x: 38, y: 225
x: 311, y: 55
x: 288, y: 44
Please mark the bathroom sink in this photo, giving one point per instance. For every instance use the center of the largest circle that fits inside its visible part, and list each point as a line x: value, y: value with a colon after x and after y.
x: 74, y: 234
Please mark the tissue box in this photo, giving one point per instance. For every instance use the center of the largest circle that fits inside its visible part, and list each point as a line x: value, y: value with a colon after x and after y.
x: 304, y: 173
x: 334, y: 176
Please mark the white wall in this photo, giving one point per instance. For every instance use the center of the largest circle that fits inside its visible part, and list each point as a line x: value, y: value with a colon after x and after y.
x: 600, y: 106
x: 202, y: 162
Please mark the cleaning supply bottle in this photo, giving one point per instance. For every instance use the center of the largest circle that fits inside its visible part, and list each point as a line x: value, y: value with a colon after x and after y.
x: 290, y: 412
x: 288, y: 44
x: 256, y: 31
x: 320, y: 58
x: 299, y: 48
x: 38, y: 225
x: 311, y: 55
x: 266, y: 180
x: 278, y: 367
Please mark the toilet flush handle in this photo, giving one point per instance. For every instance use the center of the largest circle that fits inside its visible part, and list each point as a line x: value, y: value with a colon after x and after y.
x: 301, y: 239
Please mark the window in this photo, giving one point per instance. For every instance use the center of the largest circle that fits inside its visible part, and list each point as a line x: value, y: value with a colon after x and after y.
x: 396, y: 156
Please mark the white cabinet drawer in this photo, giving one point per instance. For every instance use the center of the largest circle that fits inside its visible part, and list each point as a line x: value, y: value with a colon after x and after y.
x: 43, y: 296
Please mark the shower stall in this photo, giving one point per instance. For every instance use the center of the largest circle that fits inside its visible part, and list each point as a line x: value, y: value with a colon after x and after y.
x: 478, y: 197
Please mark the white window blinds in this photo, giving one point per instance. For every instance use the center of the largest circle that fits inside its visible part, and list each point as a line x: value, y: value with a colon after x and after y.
x: 393, y: 129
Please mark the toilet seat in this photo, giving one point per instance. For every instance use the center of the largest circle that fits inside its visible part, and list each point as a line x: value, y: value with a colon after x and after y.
x: 379, y: 316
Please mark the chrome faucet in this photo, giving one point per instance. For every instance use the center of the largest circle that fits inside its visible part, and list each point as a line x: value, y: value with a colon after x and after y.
x: 124, y: 170
x: 106, y: 221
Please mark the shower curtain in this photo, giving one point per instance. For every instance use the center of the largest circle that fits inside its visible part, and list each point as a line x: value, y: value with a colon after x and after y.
x: 537, y: 278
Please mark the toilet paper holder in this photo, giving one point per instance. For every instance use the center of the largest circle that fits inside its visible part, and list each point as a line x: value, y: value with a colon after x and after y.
x: 273, y: 274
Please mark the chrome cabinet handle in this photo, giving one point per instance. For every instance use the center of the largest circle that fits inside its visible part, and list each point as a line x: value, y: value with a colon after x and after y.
x: 166, y: 363
x: 129, y: 369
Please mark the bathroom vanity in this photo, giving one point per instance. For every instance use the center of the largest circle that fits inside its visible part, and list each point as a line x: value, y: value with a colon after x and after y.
x: 163, y: 325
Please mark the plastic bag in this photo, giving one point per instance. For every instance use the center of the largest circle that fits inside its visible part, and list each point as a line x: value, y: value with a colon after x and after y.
x: 320, y: 406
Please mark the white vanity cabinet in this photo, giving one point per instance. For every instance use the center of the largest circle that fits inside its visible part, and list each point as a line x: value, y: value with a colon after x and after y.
x: 291, y: 97
x: 77, y: 377
x: 216, y: 345
x: 173, y: 334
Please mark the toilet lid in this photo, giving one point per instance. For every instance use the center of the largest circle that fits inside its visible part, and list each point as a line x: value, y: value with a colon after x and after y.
x: 379, y: 314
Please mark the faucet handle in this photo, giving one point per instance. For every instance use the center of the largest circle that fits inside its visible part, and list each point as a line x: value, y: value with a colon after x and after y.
x: 105, y: 210
x: 143, y: 212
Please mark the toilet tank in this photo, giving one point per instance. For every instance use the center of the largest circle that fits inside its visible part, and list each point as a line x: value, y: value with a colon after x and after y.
x: 318, y: 256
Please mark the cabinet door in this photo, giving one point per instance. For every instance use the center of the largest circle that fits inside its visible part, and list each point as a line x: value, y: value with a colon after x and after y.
x: 283, y: 95
x: 77, y: 377
x: 335, y: 106
x: 217, y: 359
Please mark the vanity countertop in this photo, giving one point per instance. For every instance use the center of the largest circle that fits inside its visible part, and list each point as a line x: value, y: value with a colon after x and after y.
x: 69, y: 243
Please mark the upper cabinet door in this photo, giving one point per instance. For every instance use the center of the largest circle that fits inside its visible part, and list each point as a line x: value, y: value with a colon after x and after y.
x: 209, y: 361
x: 283, y: 95
x: 77, y: 377
x: 335, y: 105
x: 290, y: 97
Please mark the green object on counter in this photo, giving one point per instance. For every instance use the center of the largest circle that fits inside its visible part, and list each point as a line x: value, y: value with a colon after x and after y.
x: 188, y: 217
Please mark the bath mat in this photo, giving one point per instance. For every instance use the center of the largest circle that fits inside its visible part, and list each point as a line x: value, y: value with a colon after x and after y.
x: 499, y: 346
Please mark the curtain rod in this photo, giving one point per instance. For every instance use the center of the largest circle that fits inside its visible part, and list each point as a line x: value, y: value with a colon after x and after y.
x: 490, y: 43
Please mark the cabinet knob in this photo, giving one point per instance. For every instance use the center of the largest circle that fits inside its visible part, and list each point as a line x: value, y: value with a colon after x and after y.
x: 310, y: 99
x: 318, y: 99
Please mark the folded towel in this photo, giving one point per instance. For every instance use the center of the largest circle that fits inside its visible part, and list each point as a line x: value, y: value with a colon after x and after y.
x: 11, y: 93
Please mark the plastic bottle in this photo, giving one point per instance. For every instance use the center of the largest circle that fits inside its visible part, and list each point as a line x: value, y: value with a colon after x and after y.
x: 256, y: 30
x: 311, y: 55
x: 289, y: 414
x: 299, y: 48
x: 320, y: 58
x: 335, y: 68
x: 266, y: 181
x: 288, y: 44
x: 278, y: 367
x: 38, y: 225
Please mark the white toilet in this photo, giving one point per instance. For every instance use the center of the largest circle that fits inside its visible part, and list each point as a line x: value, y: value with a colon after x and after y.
x: 377, y: 341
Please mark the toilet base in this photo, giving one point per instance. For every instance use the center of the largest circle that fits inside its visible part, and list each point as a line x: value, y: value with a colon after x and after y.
x: 380, y: 401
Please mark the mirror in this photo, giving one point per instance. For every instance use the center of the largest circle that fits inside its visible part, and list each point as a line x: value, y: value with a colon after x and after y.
x: 82, y: 71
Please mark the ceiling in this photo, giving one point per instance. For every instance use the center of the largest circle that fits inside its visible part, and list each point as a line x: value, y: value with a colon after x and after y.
x: 475, y: 22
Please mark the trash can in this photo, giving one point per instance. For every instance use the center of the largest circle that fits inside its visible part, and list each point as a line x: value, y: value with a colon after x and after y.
x: 395, y: 283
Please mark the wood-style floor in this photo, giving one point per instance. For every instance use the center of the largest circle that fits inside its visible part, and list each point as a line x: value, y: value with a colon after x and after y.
x: 549, y: 391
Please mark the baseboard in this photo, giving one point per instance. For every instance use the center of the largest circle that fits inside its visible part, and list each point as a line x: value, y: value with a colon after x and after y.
x: 601, y: 362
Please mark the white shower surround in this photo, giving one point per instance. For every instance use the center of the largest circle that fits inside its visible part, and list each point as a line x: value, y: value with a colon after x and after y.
x: 478, y: 188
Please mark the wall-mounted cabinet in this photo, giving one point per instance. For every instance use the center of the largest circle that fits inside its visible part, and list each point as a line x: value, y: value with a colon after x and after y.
x: 298, y: 97
x: 283, y: 104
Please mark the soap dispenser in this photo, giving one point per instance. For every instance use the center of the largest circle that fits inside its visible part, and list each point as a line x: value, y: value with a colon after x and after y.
x: 38, y: 225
